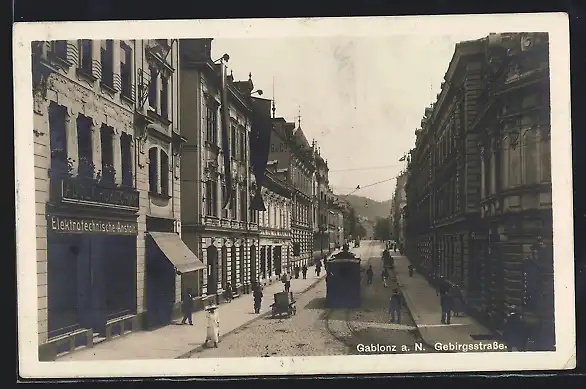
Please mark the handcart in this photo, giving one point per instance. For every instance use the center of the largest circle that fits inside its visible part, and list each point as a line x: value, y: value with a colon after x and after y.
x: 284, y: 304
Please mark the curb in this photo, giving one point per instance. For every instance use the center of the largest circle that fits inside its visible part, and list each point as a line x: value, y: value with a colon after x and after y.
x: 260, y: 316
x: 409, y: 304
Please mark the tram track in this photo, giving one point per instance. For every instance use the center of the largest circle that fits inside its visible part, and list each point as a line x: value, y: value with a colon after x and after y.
x: 341, y: 329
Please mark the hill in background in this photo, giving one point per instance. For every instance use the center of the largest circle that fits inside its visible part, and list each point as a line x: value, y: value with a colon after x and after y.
x: 369, y: 208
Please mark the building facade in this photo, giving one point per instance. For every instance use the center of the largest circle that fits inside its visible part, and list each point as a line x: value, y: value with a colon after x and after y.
x: 321, y: 241
x: 290, y: 149
x: 275, y: 225
x: 513, y: 261
x: 226, y: 240
x: 443, y: 181
x: 90, y: 203
x: 398, y: 204
x: 479, y: 186
x: 167, y: 263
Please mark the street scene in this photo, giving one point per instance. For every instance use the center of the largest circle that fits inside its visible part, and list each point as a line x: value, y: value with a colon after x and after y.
x: 195, y: 200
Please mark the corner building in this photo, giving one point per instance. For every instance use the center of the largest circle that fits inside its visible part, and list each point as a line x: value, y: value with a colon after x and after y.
x: 87, y: 200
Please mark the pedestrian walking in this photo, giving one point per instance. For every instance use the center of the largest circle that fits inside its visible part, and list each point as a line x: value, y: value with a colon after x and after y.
x: 386, y: 257
x: 187, y: 307
x: 446, y: 302
x: 395, y: 306
x: 318, y: 268
x: 513, y: 331
x: 213, y: 327
x: 369, y: 275
x: 304, y: 271
x: 385, y: 276
x: 296, y: 271
x: 411, y: 269
x: 286, y: 282
x: 228, y: 295
x: 257, y: 296
x: 459, y: 306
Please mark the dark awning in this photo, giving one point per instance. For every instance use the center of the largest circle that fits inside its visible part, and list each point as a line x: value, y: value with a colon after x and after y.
x: 177, y: 252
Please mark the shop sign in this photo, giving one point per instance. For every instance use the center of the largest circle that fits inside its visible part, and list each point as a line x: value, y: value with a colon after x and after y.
x: 77, y: 225
x: 88, y: 192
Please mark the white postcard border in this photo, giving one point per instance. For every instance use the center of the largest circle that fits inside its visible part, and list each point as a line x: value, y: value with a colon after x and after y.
x: 556, y: 24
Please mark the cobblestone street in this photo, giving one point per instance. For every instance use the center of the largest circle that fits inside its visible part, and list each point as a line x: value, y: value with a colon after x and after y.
x: 301, y: 335
x: 316, y: 331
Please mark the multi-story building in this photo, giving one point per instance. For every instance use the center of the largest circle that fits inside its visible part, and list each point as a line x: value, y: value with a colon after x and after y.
x: 275, y: 224
x: 225, y: 239
x: 167, y: 262
x: 512, y: 262
x: 479, y: 190
x: 444, y: 171
x: 335, y: 223
x: 398, y: 203
x: 290, y: 149
x: 320, y: 204
x: 91, y: 149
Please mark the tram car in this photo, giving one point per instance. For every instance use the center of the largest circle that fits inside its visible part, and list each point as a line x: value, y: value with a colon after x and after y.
x: 343, y: 281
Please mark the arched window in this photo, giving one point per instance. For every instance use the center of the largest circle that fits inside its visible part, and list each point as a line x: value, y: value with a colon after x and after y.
x: 153, y: 170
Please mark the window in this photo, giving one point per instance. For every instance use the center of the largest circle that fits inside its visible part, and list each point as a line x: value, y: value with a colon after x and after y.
x: 126, y: 70
x: 85, y: 56
x: 211, y: 123
x: 85, y: 146
x: 243, y: 146
x: 126, y: 159
x: 164, y: 173
x: 253, y: 216
x: 107, y: 59
x: 210, y: 197
x: 165, y: 97
x: 58, y: 138
x: 225, y: 212
x: 233, y: 141
x: 153, y: 89
x: 243, y: 204
x: 59, y: 49
x: 153, y: 170
x: 107, y: 146
x: 233, y: 213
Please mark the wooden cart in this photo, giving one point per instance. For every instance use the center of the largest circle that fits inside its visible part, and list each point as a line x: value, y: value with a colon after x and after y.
x: 284, y: 304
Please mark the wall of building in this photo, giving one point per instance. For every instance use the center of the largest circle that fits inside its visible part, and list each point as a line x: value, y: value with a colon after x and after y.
x: 81, y: 95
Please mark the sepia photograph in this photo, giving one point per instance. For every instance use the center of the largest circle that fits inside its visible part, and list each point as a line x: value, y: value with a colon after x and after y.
x: 317, y: 196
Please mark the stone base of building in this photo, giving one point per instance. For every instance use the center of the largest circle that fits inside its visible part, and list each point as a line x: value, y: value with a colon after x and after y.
x: 85, y: 337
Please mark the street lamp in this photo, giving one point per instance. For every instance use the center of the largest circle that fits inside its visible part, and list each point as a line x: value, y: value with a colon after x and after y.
x: 258, y: 92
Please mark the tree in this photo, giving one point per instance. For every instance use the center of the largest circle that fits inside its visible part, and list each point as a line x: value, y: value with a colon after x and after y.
x: 382, y: 229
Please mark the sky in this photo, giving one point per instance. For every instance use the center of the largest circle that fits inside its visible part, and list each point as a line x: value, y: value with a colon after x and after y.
x: 360, y: 98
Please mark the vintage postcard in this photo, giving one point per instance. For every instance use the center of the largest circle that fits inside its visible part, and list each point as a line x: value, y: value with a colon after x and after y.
x: 316, y: 196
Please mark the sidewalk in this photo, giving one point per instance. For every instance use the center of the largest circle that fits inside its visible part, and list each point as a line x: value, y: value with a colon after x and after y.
x: 176, y: 340
x: 424, y: 304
